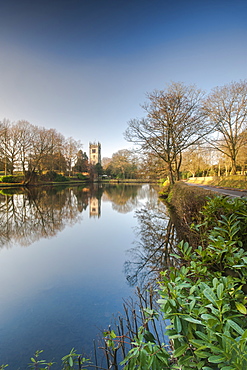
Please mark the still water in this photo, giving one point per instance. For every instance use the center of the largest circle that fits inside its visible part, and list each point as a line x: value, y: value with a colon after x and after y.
x: 62, y: 256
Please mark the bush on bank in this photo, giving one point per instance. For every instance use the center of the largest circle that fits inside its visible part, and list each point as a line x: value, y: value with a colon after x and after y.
x: 53, y: 176
x: 185, y: 203
x: 11, y: 179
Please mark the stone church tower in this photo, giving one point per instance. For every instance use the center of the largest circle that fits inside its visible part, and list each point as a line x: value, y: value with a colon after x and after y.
x: 94, y: 153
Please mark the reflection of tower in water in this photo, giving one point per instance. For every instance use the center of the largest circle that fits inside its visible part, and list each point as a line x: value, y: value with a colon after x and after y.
x: 95, y: 207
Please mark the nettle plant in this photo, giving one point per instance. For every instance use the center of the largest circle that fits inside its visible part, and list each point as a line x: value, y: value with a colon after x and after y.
x: 204, y: 300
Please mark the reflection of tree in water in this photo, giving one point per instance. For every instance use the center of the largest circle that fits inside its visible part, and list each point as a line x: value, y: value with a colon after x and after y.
x: 125, y: 197
x: 39, y: 213
x: 156, y: 240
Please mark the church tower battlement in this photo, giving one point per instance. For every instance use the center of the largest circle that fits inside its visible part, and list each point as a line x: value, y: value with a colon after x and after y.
x: 94, y: 153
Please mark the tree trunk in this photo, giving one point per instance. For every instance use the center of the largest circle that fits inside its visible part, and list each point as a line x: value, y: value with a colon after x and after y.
x: 234, y: 167
x: 30, y: 177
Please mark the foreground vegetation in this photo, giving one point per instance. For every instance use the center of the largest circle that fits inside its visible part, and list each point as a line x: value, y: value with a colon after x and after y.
x: 202, y: 296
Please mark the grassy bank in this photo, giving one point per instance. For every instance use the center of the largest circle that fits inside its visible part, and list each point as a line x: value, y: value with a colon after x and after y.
x: 232, y: 181
x: 74, y: 180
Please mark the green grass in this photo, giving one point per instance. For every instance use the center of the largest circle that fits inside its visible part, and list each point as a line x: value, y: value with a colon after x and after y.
x: 231, y: 181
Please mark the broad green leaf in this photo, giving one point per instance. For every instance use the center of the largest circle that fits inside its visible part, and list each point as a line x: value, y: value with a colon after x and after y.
x: 172, y: 302
x: 70, y: 361
x: 163, y: 357
x: 238, y: 266
x: 226, y: 307
x: 206, y: 316
x: 236, y: 327
x: 192, y: 304
x: 180, y: 350
x: 176, y: 336
x: 214, y: 310
x: 161, y: 301
x: 198, y: 343
x: 202, y: 354
x: 215, y: 282
x: 192, y: 289
x: 112, y: 334
x: 149, y: 337
x: 216, y: 359
x: 209, y: 294
x: 220, y: 289
x: 241, y: 308
x: 226, y: 341
x: 244, y: 336
x: 143, y: 357
x: 215, y: 349
x: 177, y: 324
x: 202, y: 336
x: 190, y: 319
x: 186, y: 360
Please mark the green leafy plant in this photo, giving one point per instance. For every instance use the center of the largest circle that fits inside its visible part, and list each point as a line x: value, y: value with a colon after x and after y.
x: 221, y: 208
x: 73, y: 361
x: 203, y: 300
x: 36, y: 363
x: 146, y: 354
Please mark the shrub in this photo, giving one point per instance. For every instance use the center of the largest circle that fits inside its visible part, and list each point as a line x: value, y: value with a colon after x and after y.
x: 188, y: 200
x: 80, y: 176
x: 60, y: 178
x: 219, y: 209
x: 11, y: 179
x: 203, y: 299
x: 53, y: 176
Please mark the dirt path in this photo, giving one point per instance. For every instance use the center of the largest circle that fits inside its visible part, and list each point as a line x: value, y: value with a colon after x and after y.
x: 224, y: 191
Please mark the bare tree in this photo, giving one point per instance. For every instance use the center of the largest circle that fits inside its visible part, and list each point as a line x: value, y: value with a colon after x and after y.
x: 195, y: 160
x: 174, y: 121
x: 152, y: 167
x: 226, y: 108
x: 53, y: 159
x: 41, y: 146
x: 70, y: 150
x: 25, y: 139
x: 123, y: 164
x: 8, y: 145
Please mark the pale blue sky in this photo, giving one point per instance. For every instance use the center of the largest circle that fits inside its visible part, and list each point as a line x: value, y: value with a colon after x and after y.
x: 84, y: 66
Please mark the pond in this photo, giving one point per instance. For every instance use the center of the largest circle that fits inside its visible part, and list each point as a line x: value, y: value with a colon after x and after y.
x: 63, y: 266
